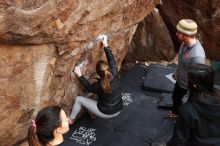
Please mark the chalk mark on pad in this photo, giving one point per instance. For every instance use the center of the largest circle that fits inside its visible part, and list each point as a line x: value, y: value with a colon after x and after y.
x: 127, y: 99
x: 84, y: 136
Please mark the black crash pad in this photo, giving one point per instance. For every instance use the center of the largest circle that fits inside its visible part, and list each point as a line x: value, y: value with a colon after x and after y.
x: 165, y: 100
x: 156, y: 80
x: 140, y: 123
x: 134, y: 77
x: 146, y: 122
x: 123, y: 139
x: 87, y: 132
x: 103, y: 128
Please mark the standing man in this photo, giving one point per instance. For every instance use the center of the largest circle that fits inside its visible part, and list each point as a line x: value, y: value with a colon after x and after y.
x: 191, y: 51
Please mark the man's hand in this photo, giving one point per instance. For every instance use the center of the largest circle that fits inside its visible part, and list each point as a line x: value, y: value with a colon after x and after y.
x: 174, y: 76
x: 77, y: 71
x: 105, y: 41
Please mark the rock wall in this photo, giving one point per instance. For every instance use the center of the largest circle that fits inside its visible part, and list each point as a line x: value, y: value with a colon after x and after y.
x: 41, y: 41
x: 206, y: 13
x: 151, y: 41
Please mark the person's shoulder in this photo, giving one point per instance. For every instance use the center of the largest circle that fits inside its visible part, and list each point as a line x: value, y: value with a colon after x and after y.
x: 198, y: 50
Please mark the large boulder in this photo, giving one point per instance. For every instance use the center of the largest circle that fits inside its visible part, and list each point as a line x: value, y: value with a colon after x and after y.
x: 40, y: 43
x: 205, y: 13
x: 151, y: 41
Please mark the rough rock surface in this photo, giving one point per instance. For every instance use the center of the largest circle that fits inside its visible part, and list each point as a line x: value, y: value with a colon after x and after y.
x: 41, y: 41
x: 206, y: 13
x: 151, y: 41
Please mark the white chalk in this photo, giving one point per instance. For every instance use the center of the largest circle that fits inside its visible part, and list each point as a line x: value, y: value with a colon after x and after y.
x: 101, y: 36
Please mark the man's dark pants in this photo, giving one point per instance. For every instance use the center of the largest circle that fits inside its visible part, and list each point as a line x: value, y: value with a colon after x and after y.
x: 177, y: 96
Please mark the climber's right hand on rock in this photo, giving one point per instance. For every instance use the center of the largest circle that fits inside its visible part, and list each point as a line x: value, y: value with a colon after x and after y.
x: 77, y: 71
x: 105, y: 41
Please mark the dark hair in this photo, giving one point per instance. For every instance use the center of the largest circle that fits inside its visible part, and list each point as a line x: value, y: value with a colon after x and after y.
x: 102, y: 70
x: 47, y: 120
x: 201, y: 78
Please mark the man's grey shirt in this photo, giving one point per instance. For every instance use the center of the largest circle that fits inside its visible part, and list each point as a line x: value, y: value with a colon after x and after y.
x: 188, y: 55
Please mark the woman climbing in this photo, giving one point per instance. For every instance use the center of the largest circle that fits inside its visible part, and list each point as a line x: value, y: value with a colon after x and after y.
x: 107, y: 88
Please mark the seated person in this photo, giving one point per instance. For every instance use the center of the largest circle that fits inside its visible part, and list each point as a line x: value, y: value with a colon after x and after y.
x: 198, y: 123
x: 107, y: 88
x: 48, y: 127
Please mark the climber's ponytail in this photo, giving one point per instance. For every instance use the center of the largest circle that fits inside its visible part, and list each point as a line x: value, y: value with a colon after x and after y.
x: 102, y: 70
